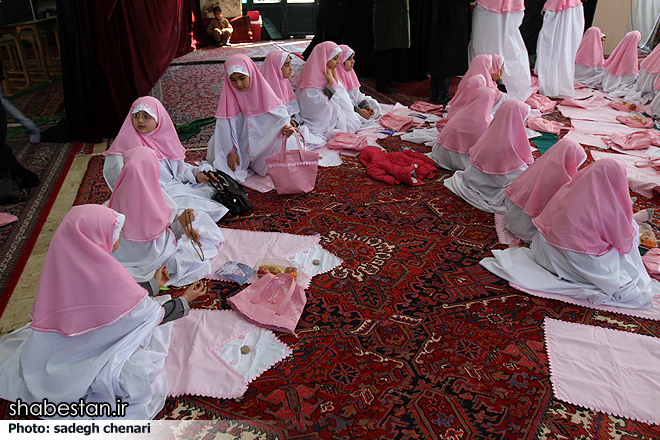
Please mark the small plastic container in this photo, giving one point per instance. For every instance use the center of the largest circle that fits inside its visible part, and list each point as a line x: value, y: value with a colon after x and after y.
x: 275, y: 266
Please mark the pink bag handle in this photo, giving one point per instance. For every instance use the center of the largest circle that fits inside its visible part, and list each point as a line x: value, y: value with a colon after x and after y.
x: 287, y: 296
x: 301, y: 147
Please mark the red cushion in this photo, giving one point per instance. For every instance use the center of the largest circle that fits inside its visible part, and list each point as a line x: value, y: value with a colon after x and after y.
x: 242, y: 32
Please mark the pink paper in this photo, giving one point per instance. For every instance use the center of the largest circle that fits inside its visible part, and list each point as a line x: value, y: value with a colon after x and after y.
x: 205, y: 357
x: 605, y: 370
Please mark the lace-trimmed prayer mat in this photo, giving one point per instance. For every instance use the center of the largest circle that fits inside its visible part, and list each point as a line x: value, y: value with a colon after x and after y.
x: 217, y: 353
x: 605, y: 370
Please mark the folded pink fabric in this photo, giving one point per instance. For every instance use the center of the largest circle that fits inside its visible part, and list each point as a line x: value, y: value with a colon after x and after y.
x: 540, y: 124
x: 605, y: 370
x: 5, y: 218
x: 217, y: 353
x: 347, y: 141
x: 591, y: 102
x: 396, y: 122
x: 541, y: 102
x: 427, y: 107
x: 623, y: 106
x: 636, y: 121
x: 639, y: 140
x: 651, y: 261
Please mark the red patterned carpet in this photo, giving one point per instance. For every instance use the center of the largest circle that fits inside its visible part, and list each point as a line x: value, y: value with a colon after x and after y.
x: 410, y: 338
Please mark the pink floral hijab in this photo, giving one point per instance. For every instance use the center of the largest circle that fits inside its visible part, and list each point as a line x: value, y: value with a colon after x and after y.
x: 163, y: 140
x: 272, y: 73
x: 258, y: 99
x: 348, y: 78
x: 312, y: 74
x: 592, y: 213
x: 504, y: 146
x: 624, y: 59
x: 82, y: 287
x: 590, y: 51
x: 466, y: 127
x: 532, y: 190
x: 139, y: 197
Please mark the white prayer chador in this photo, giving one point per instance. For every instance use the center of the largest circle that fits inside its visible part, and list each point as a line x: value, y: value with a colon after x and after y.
x: 92, y: 337
x: 148, y: 242
x: 587, y: 244
x: 351, y: 83
x: 495, y: 26
x: 324, y: 116
x: 499, y: 156
x: 177, y: 178
x: 249, y: 123
x: 558, y: 42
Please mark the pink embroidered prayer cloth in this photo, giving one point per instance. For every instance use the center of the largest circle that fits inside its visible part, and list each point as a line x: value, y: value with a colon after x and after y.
x: 348, y: 78
x: 623, y: 60
x: 139, y: 197
x: 259, y: 98
x: 312, y: 74
x: 605, y: 370
x: 592, y: 213
x: 272, y: 73
x: 217, y: 353
x: 163, y: 140
x: 501, y: 6
x: 504, y: 146
x: 560, y: 5
x: 590, y: 52
x: 82, y: 288
x: 532, y: 190
x: 469, y: 123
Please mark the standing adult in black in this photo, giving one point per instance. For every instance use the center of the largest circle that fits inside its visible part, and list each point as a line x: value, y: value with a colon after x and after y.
x: 449, y: 45
x: 391, y: 26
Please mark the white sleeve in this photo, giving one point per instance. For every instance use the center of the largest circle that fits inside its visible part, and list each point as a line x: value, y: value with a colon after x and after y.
x: 111, y: 169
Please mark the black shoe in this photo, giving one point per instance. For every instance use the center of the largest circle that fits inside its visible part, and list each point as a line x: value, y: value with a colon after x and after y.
x: 386, y: 90
x: 444, y: 99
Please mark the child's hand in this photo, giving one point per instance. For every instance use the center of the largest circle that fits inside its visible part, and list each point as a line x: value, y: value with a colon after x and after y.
x: 330, y: 75
x: 162, y: 276
x: 186, y: 218
x: 294, y: 123
x: 364, y: 113
x: 192, y: 234
x: 371, y: 111
x: 496, y: 76
x: 205, y: 178
x: 287, y: 131
x: 194, y: 290
x: 232, y: 161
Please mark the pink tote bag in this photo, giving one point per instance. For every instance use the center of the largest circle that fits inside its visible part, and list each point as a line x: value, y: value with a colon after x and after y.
x: 274, y: 301
x: 293, y: 171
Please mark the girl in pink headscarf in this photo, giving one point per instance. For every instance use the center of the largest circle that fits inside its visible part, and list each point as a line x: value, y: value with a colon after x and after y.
x: 276, y: 70
x: 95, y: 334
x: 621, y: 67
x: 148, y: 124
x: 500, y: 155
x: 589, y: 58
x: 557, y: 45
x: 586, y: 246
x: 452, y: 148
x: 495, y: 29
x: 366, y: 107
x: 489, y: 67
x: 325, y: 105
x: 251, y: 124
x: 530, y: 192
x: 154, y: 235
x: 648, y: 80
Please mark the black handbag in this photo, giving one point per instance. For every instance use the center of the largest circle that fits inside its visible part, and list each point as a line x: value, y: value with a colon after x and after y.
x: 229, y: 193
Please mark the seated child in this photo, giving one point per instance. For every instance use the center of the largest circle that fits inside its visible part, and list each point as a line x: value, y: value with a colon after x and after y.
x: 148, y: 124
x: 220, y: 28
x: 251, y: 121
x: 621, y: 67
x: 459, y: 101
x: 95, y: 334
x: 589, y: 58
x: 497, y: 70
x: 153, y: 235
x: 586, y: 246
x: 483, y: 65
x: 365, y: 106
x: 530, y: 192
x: 276, y: 70
x: 499, y: 156
x: 325, y: 106
x: 452, y: 148
x: 649, y: 74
